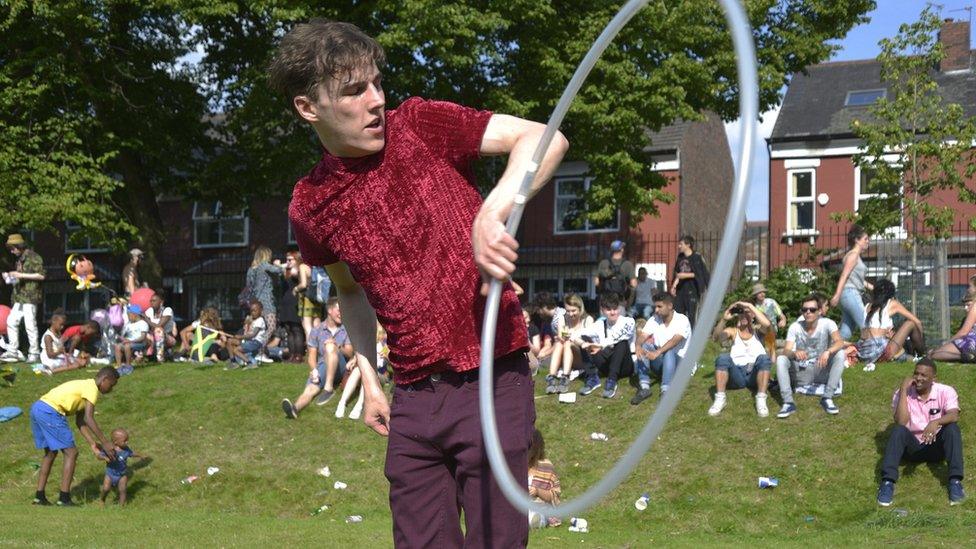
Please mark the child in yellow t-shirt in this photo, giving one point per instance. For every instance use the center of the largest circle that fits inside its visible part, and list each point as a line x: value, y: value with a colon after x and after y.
x: 49, y: 424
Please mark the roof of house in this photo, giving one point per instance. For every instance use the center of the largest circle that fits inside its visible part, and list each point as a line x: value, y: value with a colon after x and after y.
x: 668, y: 138
x: 814, y: 105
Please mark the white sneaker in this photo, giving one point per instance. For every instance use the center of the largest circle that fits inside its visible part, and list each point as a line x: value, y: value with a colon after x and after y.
x: 573, y: 374
x: 264, y: 358
x: 869, y: 367
x: 340, y: 411
x: 761, y: 407
x: 13, y: 356
x: 356, y: 413
x: 33, y: 358
x: 718, y: 405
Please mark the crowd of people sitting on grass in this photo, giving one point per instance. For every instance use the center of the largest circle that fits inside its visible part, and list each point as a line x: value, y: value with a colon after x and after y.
x: 629, y: 340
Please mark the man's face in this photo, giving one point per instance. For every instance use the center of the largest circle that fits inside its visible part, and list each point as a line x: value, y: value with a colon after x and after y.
x: 663, y: 308
x: 745, y: 319
x: 335, y: 315
x: 924, y: 377
x: 642, y: 274
x: 810, y: 310
x: 15, y: 250
x: 681, y: 247
x: 349, y: 113
x: 611, y: 314
x: 256, y: 310
x: 155, y: 301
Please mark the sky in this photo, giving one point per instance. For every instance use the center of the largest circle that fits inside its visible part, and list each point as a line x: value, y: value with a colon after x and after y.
x: 860, y: 43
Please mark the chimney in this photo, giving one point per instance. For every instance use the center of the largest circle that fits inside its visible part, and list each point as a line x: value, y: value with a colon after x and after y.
x: 954, y: 37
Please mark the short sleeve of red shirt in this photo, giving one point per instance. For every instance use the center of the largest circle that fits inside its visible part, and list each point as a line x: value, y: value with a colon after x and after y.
x: 454, y: 131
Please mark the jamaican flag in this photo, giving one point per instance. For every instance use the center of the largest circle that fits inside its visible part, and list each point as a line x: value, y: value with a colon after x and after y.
x: 203, y: 339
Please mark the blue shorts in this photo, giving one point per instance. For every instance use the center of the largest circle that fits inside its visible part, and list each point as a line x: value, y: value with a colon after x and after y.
x: 137, y: 346
x: 114, y: 476
x: 251, y: 347
x: 50, y: 428
x: 340, y: 372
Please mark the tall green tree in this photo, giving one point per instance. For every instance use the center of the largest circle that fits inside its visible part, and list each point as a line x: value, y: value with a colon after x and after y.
x: 105, y: 105
x: 915, y: 141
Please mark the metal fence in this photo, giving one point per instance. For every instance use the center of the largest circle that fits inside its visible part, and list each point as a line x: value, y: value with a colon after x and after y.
x: 931, y: 276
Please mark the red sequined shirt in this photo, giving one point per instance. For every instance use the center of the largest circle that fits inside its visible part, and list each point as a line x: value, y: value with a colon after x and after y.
x: 401, y: 220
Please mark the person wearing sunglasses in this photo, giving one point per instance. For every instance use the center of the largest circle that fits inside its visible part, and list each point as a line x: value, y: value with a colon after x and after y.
x: 810, y: 357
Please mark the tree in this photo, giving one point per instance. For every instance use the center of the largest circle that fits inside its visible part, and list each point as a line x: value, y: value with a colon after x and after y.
x: 103, y: 111
x: 97, y: 118
x: 673, y: 61
x: 915, y: 143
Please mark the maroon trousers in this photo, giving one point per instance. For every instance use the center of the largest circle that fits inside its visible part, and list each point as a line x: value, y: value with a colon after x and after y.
x: 437, y: 465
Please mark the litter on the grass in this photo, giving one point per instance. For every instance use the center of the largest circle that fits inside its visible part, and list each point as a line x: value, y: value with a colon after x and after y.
x: 568, y: 398
x: 325, y: 471
x: 211, y: 471
x: 190, y: 479
x: 578, y: 525
x: 339, y: 485
x: 599, y: 436
x: 901, y: 512
x: 641, y: 502
x: 319, y: 510
x: 354, y: 518
x: 768, y: 482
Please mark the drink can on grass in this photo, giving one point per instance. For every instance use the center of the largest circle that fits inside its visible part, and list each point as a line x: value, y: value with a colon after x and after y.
x: 354, y: 518
x: 641, y: 502
x: 768, y: 482
x: 599, y: 436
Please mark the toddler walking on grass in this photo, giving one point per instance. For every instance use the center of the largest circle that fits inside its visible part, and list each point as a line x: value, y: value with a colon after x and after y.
x: 49, y: 424
x: 117, y: 470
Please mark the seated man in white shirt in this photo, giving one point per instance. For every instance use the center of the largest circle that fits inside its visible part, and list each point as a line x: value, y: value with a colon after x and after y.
x: 811, y: 355
x: 661, y: 344
x: 606, y: 346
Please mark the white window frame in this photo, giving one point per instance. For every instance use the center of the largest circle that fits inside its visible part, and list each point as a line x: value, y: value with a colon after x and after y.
x: 847, y: 98
x: 221, y: 244
x: 557, y: 222
x: 71, y: 227
x: 790, y: 200
x: 893, y: 231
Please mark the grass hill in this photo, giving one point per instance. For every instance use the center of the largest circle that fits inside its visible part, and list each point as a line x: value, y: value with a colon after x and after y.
x: 701, y: 474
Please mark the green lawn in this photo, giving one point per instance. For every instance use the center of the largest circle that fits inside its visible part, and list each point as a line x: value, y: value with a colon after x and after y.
x: 701, y: 475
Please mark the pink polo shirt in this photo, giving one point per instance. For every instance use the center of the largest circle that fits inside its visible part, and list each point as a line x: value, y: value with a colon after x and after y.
x: 941, y: 399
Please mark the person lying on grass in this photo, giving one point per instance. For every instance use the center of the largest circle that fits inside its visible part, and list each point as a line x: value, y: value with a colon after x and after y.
x: 49, y: 424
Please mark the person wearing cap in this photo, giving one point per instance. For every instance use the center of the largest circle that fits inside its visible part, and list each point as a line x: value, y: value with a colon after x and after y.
x: 26, y: 296
x: 615, y: 275
x: 691, y: 278
x: 135, y: 337
x: 130, y: 273
x: 773, y: 312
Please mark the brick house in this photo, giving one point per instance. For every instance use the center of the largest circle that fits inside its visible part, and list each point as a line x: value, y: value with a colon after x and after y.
x: 811, y: 169
x: 560, y: 257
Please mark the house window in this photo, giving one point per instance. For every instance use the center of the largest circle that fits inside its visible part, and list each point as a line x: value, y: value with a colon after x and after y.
x: 223, y: 299
x: 215, y: 227
x: 570, y: 210
x: 799, y: 212
x: 862, y: 192
x: 75, y: 242
x: 861, y: 98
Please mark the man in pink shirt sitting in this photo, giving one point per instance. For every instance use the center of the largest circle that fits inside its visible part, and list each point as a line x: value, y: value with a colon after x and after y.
x: 927, y: 429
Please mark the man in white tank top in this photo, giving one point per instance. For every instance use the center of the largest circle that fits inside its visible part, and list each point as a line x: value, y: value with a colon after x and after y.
x: 746, y: 365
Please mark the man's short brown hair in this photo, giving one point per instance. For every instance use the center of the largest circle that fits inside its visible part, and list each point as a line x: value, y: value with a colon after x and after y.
x: 313, y: 53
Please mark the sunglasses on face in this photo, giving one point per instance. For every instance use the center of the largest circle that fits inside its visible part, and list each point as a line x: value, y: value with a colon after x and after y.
x: 809, y: 309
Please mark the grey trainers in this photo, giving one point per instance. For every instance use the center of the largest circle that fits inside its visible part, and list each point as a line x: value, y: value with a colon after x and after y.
x: 324, y: 397
x: 289, y: 409
x: 551, y: 387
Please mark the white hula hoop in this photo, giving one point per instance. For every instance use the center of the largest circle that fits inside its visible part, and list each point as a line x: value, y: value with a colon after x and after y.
x: 514, y: 489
